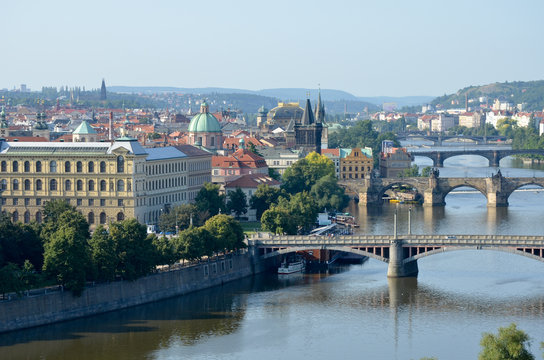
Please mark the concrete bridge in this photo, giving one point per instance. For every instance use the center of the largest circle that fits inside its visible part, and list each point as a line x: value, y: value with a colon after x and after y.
x: 399, y: 252
x: 494, y: 156
x: 497, y: 188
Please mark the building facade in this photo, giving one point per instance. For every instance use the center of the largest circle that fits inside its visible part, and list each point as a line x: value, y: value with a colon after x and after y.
x: 394, y: 162
x: 106, y: 182
x: 357, y: 165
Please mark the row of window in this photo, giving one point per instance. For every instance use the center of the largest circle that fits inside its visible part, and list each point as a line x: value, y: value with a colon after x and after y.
x: 356, y: 168
x: 166, y: 168
x: 38, y: 166
x: 79, y: 202
x: 53, y: 185
x: 102, y: 218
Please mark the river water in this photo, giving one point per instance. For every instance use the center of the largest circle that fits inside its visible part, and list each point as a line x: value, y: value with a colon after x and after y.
x: 350, y: 312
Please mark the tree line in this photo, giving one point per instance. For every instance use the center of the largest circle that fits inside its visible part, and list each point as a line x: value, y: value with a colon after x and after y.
x: 61, y: 251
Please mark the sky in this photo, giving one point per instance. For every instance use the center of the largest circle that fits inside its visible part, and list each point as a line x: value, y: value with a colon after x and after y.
x: 368, y: 48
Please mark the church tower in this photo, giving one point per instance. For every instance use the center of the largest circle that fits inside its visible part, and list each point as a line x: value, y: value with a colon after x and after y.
x: 308, y: 131
x: 103, y: 90
x: 320, y: 118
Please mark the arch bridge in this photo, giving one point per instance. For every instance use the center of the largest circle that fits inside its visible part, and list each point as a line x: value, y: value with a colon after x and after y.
x: 399, y: 252
x: 497, y: 188
x: 493, y: 156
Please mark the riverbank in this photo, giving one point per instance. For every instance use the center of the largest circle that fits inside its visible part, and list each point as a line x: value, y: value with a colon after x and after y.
x: 54, y: 307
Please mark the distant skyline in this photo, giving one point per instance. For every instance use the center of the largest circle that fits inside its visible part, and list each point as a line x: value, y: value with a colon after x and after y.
x: 367, y: 48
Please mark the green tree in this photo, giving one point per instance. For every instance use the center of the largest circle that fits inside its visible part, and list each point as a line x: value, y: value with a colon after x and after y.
x: 19, y: 243
x: 263, y: 198
x: 412, y: 171
x: 181, y: 216
x: 509, y: 344
x: 194, y: 243
x: 328, y: 194
x: 10, y: 275
x: 237, y: 202
x: 135, y: 251
x: 66, y: 258
x: 278, y: 220
x: 303, y: 174
x: 164, y: 250
x: 54, y: 208
x: 208, y: 199
x: 251, y: 147
x: 426, y: 171
x: 227, y: 231
x: 103, y: 255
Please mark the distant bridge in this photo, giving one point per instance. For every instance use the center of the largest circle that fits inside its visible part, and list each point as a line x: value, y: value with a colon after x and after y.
x: 494, y: 156
x: 400, y: 252
x: 497, y: 189
x: 439, y: 139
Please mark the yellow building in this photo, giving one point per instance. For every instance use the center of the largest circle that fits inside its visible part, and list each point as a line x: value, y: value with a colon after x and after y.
x: 357, y: 164
x: 105, y: 181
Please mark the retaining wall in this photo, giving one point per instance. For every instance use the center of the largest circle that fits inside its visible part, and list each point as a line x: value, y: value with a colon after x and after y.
x: 60, y: 306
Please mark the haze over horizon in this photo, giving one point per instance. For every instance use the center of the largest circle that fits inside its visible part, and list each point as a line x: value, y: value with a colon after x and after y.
x: 367, y: 48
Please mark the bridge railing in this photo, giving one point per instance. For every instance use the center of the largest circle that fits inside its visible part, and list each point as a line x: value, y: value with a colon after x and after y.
x: 408, y: 240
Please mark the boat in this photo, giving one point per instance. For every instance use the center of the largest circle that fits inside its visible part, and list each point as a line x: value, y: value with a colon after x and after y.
x: 291, y: 268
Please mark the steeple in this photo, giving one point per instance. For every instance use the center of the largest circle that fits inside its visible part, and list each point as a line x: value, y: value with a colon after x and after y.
x: 308, y: 115
x: 319, y: 110
x: 103, y: 90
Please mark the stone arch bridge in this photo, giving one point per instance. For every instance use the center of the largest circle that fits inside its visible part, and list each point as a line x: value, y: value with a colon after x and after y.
x: 494, y: 156
x: 497, y: 188
x: 400, y: 253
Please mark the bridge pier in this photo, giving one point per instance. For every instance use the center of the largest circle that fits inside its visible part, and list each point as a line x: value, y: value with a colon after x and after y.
x: 495, y: 160
x: 369, y: 197
x: 497, y: 199
x: 398, y: 267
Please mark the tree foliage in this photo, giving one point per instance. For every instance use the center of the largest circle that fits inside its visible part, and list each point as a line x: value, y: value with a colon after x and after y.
x: 263, y: 198
x: 237, y: 202
x: 227, y: 231
x: 103, y: 255
x: 328, y: 195
x: 509, y: 344
x: 181, y: 216
x: 304, y: 173
x: 194, y: 243
x: 296, y: 215
x: 209, y: 199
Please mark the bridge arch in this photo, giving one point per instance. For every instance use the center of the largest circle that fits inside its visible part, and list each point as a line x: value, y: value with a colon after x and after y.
x: 447, y: 155
x: 485, y: 248
x: 345, y: 249
x: 522, y: 184
x: 481, y: 189
x: 401, y: 182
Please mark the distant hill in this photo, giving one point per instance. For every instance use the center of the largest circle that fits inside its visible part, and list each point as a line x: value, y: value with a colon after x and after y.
x: 337, y: 100
x: 529, y: 92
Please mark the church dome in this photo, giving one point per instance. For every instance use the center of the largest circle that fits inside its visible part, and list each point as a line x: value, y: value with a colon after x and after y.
x: 286, y: 111
x: 204, y: 121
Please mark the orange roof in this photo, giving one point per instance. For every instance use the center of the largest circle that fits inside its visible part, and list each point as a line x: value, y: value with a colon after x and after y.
x: 241, y: 158
x: 26, y: 138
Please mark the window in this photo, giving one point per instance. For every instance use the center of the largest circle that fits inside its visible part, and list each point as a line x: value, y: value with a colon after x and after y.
x: 79, y: 185
x: 27, y: 184
x: 79, y: 167
x: 129, y: 186
x: 3, y: 201
x: 39, y: 185
x: 103, y: 185
x: 38, y: 201
x: 102, y: 217
x: 3, y: 184
x: 91, y: 202
x: 15, y: 216
x: 102, y: 166
x: 67, y: 185
x: 3, y: 166
x: 120, y: 202
x: 15, y: 184
x: 38, y: 166
x: 102, y: 202
x: 53, y: 185
x: 120, y: 216
x: 15, y: 201
x: 67, y: 167
x: 53, y: 166
x: 120, y: 185
x: 90, y: 167
x: 120, y: 164
x: 91, y: 185
x: 79, y: 202
x: 27, y: 217
x: 15, y: 166
x: 90, y: 218
x: 26, y: 166
x: 39, y: 217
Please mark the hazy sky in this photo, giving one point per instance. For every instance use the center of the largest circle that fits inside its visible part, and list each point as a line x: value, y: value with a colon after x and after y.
x: 369, y: 48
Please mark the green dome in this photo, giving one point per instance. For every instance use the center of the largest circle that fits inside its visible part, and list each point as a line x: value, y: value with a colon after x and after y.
x: 204, y: 122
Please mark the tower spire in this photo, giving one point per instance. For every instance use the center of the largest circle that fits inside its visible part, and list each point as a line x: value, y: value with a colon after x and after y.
x: 319, y: 109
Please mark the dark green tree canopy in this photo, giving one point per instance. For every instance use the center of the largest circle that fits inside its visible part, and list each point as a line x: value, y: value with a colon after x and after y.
x: 237, y: 202
x: 209, y: 199
x: 227, y: 231
x: 263, y: 198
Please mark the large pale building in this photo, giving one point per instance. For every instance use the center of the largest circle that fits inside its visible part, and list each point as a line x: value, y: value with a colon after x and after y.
x: 357, y: 165
x: 105, y: 181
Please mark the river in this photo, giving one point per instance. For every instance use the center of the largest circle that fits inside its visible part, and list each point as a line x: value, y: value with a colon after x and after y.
x: 350, y: 312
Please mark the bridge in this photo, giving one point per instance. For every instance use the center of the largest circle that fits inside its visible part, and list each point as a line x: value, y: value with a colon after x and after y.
x: 494, y: 156
x: 438, y: 139
x: 497, y: 188
x: 399, y: 252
